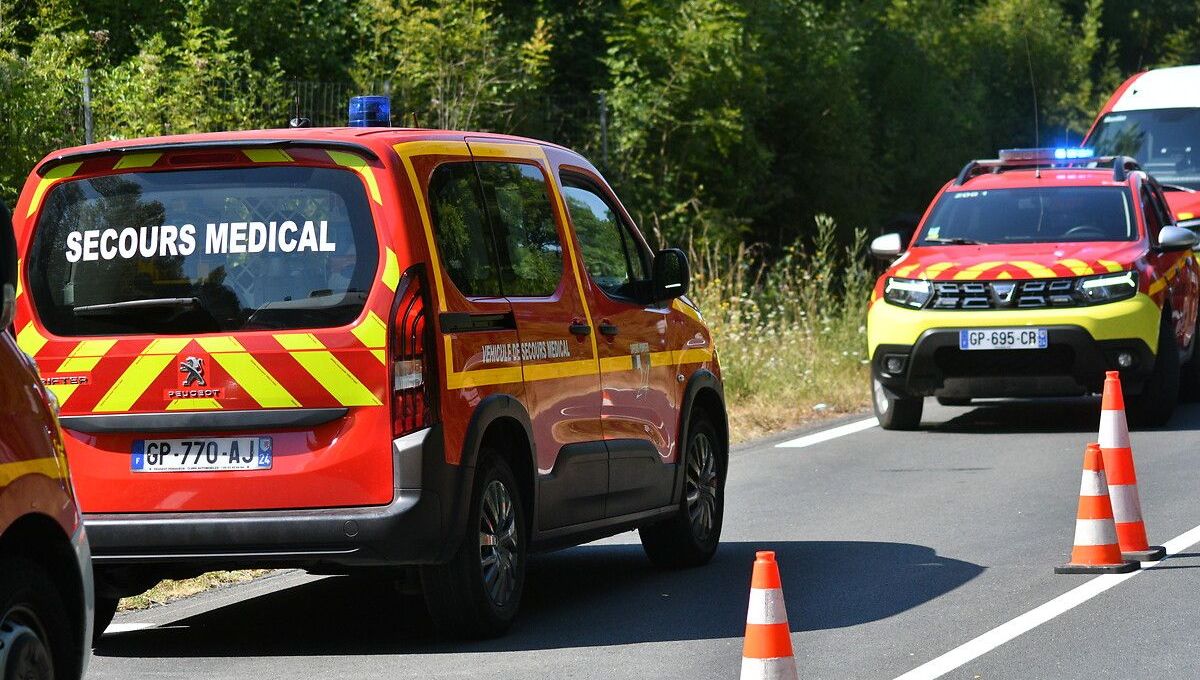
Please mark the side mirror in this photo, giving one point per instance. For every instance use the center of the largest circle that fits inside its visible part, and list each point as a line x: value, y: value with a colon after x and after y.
x: 887, y: 246
x: 8, y: 270
x: 671, y: 274
x: 1172, y: 239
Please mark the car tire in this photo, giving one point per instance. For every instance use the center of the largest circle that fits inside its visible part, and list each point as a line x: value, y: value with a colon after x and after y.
x: 37, y: 639
x: 106, y: 609
x: 954, y: 401
x: 477, y: 594
x: 1156, y: 403
x: 895, y: 411
x: 690, y: 537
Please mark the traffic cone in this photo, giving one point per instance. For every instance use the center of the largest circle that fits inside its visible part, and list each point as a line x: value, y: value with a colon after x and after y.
x: 1122, y: 478
x: 767, y: 654
x: 1096, y: 550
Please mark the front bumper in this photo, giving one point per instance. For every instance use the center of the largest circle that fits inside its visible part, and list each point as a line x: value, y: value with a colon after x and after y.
x: 412, y: 529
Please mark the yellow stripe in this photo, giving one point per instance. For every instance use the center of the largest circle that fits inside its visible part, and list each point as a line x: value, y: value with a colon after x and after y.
x: 1004, y: 275
x: 30, y: 340
x: 617, y: 364
x: 935, y: 270
x: 971, y: 273
x: 359, y: 165
x: 55, y: 174
x: 134, y: 382
x: 19, y: 286
x: 137, y: 160
x: 1157, y: 285
x: 562, y: 369
x: 62, y: 392
x: 391, y: 270
x: 533, y: 152
x: 484, y: 377
x: 325, y: 368
x: 1109, y: 265
x: 85, y: 356
x: 1036, y: 270
x: 380, y: 355
x: 194, y: 405
x: 248, y: 373
x: 372, y: 332
x: 167, y: 346
x: 687, y: 310
x: 905, y: 271
x: 1077, y: 267
x: 268, y: 155
x: 10, y: 472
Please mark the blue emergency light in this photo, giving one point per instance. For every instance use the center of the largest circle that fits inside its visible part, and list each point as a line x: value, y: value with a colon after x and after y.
x: 370, y: 111
x: 1047, y: 156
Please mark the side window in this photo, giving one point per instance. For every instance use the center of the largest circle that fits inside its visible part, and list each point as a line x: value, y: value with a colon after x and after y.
x: 1151, y: 212
x: 531, y: 262
x: 610, y: 253
x: 460, y: 226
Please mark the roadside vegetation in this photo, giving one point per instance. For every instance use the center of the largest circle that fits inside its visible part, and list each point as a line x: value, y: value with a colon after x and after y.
x: 170, y: 590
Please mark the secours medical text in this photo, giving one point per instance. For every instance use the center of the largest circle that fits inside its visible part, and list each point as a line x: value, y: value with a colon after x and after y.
x: 290, y: 236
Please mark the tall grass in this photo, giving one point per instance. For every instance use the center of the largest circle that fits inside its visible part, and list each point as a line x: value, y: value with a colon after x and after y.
x: 790, y: 332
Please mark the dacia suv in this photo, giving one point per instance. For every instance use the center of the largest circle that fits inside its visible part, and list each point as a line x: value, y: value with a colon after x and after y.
x: 1030, y: 276
x: 367, y: 347
x: 45, y: 568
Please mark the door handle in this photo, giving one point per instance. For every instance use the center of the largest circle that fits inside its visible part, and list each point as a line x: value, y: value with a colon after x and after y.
x: 581, y: 329
x: 608, y: 329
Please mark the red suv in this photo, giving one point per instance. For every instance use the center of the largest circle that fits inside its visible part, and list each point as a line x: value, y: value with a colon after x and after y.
x: 348, y: 348
x: 45, y: 567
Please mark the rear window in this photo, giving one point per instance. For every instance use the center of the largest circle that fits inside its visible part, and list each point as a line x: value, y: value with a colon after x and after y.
x: 203, y: 251
x: 1060, y: 214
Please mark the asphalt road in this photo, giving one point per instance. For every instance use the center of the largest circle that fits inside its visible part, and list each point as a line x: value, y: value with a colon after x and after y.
x: 895, y: 548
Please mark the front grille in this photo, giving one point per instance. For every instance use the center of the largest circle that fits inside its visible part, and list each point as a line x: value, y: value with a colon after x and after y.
x: 1035, y: 294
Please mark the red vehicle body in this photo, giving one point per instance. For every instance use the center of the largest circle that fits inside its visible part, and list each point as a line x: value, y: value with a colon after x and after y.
x: 45, y: 569
x: 447, y: 328
x: 1154, y: 117
x: 1087, y: 258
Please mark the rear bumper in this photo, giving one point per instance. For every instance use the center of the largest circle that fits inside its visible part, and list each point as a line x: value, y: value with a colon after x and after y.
x: 412, y: 529
x: 1074, y: 363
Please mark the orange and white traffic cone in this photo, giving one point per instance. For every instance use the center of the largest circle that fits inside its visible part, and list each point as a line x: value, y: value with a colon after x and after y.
x: 1096, y: 550
x: 1122, y: 478
x: 767, y: 654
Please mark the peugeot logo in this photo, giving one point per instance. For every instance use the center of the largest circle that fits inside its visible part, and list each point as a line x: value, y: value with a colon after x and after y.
x: 1003, y: 292
x: 194, y: 368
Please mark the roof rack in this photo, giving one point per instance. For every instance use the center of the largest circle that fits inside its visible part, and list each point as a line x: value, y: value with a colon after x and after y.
x: 1024, y: 159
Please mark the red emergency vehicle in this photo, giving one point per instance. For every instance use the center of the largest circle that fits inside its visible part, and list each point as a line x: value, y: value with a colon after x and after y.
x: 45, y: 569
x: 1031, y: 275
x: 366, y: 347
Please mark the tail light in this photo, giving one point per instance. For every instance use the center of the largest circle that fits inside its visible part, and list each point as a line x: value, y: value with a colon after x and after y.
x: 414, y: 364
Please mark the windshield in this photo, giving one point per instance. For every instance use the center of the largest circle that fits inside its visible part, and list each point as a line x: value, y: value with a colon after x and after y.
x: 203, y: 251
x: 1049, y: 215
x: 1164, y: 142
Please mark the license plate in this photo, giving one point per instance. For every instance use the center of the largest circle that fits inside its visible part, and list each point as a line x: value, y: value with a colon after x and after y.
x: 201, y: 455
x: 1003, y: 338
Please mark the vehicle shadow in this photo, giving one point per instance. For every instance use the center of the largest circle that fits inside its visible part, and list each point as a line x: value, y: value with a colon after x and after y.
x: 1046, y: 416
x: 588, y: 596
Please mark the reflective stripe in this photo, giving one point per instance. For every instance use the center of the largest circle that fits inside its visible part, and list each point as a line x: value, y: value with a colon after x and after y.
x: 1109, y: 265
x: 1095, y: 532
x: 359, y: 164
x: 325, y: 368
x: 564, y: 369
x: 769, y: 669
x: 391, y: 270
x: 250, y: 375
x: 489, y: 376
x: 372, y: 333
x: 1114, y: 432
x: 935, y: 270
x: 1093, y: 484
x: 971, y: 273
x: 137, y: 160
x: 766, y: 606
x: 1036, y: 270
x: 49, y: 467
x: 268, y: 155
x: 907, y: 270
x: 137, y: 378
x: 30, y: 340
x: 194, y: 405
x: 1127, y: 506
x: 82, y: 359
x: 51, y: 176
x: 1077, y: 267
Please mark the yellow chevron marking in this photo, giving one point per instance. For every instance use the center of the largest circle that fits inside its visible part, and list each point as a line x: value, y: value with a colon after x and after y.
x: 1036, y: 270
x: 907, y: 270
x: 82, y: 359
x: 935, y: 270
x: 372, y: 332
x: 359, y: 164
x: 1004, y: 275
x: 380, y: 355
x: 248, y: 373
x: 971, y: 273
x: 1077, y: 267
x: 49, y: 467
x: 62, y: 392
x: 325, y: 368
x: 30, y: 340
x: 194, y: 405
x: 137, y: 160
x: 268, y: 155
x: 1109, y: 265
x: 54, y: 174
x: 391, y: 270
x: 133, y: 383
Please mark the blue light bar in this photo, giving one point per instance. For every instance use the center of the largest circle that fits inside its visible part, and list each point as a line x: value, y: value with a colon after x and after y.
x: 1074, y: 154
x: 370, y: 111
x: 1047, y: 156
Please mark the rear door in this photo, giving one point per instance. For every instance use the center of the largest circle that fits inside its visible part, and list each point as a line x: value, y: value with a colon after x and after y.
x: 557, y: 336
x: 214, y: 326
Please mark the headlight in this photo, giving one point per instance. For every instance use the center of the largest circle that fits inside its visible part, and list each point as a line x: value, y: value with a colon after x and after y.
x: 907, y: 292
x: 1108, y: 287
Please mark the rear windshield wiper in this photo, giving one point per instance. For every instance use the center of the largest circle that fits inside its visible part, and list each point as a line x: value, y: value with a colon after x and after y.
x: 186, y: 303
x: 957, y: 241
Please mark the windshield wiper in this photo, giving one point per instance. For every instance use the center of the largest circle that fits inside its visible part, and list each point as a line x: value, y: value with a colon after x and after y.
x: 957, y: 241
x: 185, y: 304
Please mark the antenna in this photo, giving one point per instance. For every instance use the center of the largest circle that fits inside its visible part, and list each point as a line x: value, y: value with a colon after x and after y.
x: 1037, y: 140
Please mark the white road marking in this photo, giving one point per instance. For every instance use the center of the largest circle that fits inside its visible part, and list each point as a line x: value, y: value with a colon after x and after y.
x: 118, y: 628
x: 1035, y: 617
x: 826, y: 435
